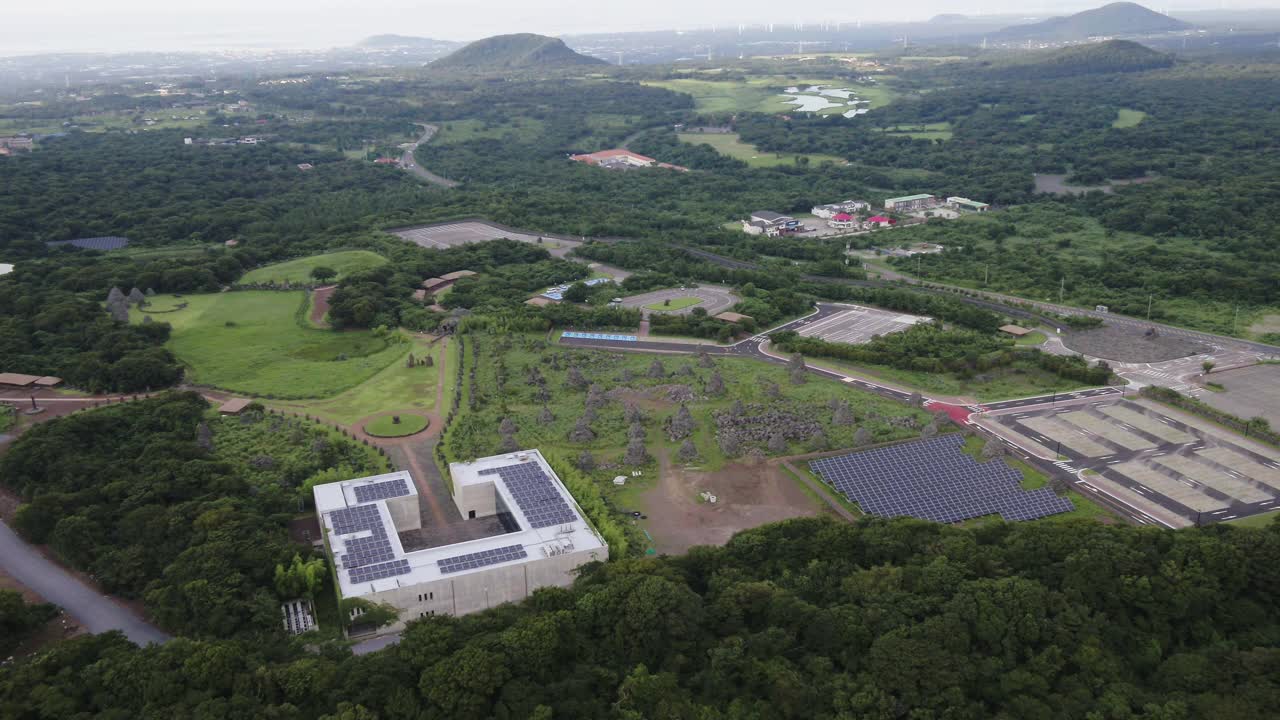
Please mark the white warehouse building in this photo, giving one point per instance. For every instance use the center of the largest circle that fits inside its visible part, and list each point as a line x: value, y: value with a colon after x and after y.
x: 548, y: 538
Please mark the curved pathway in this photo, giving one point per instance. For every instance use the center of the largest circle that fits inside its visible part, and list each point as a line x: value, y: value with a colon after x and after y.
x: 409, y: 163
x: 95, y: 611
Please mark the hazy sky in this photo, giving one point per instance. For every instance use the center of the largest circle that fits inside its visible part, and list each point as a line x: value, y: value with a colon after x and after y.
x: 60, y: 25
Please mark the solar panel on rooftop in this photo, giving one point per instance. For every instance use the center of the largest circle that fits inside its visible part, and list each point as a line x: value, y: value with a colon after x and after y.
x: 538, y: 498
x: 482, y: 558
x: 381, y: 490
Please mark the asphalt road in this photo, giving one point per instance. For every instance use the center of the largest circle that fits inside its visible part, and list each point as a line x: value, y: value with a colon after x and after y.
x: 410, y: 164
x: 96, y: 612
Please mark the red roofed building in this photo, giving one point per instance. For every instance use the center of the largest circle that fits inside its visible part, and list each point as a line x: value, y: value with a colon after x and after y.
x: 385, y: 161
x: 843, y: 221
x: 882, y: 221
x: 622, y: 159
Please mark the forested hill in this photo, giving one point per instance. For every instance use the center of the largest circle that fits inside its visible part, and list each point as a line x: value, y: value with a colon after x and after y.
x: 1112, y: 56
x: 800, y: 619
x: 1121, y: 18
x: 522, y: 50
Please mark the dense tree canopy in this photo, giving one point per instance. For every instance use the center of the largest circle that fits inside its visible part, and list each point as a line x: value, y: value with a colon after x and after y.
x: 801, y: 619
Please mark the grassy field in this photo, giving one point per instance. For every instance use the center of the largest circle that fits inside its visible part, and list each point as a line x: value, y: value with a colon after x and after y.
x: 475, y: 433
x: 1127, y: 118
x: 674, y: 304
x: 730, y: 144
x: 386, y: 425
x: 256, y: 343
x: 299, y: 271
x: 1256, y: 521
x: 1004, y: 383
x: 395, y: 387
x: 523, y: 129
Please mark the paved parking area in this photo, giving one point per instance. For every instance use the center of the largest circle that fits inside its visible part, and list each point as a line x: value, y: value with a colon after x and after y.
x: 1250, y: 392
x: 856, y: 324
x: 449, y: 235
x: 1157, y: 461
x: 715, y: 299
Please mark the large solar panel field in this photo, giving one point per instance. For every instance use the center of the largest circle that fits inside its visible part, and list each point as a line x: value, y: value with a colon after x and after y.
x: 935, y: 480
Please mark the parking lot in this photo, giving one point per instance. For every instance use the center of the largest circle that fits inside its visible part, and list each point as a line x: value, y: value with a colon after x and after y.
x: 449, y: 235
x: 857, y: 324
x: 713, y: 298
x: 1179, y: 469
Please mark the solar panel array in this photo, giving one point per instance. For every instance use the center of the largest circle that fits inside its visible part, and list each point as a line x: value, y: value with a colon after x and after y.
x: 93, y: 243
x: 368, y: 557
x: 481, y: 559
x: 535, y: 493
x: 381, y: 490
x: 935, y: 480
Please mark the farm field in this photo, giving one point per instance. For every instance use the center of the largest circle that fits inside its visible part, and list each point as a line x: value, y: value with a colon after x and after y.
x: 730, y: 144
x: 299, y: 271
x: 256, y: 343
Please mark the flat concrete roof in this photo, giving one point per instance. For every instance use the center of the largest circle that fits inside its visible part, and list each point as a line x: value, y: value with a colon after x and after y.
x: 1014, y: 330
x: 18, y: 379
x: 732, y: 317
x: 457, y: 274
x: 424, y: 564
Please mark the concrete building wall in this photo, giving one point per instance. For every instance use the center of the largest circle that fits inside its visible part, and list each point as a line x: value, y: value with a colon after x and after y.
x: 481, y: 590
x: 405, y: 513
x: 481, y: 498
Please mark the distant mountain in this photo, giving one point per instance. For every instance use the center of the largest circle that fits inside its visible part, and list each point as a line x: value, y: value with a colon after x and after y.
x: 1112, y: 56
x: 387, y: 42
x: 1121, y: 18
x: 524, y: 50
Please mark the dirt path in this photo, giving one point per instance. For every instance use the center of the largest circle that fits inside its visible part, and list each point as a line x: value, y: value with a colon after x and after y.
x: 320, y: 305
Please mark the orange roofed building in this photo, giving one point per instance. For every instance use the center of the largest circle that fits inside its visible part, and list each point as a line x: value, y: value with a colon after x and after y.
x: 622, y: 160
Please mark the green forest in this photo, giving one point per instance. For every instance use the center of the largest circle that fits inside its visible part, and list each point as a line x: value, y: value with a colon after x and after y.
x: 801, y: 619
x: 166, y: 502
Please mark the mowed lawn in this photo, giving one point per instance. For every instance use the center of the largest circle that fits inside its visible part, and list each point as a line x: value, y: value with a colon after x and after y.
x: 675, y: 304
x: 730, y: 144
x: 298, y: 271
x: 255, y: 343
x: 394, y: 387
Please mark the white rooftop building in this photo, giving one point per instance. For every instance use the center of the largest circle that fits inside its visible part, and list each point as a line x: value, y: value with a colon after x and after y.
x: 548, y: 538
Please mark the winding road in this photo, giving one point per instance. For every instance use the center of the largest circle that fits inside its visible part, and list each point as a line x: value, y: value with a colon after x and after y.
x: 96, y: 612
x: 409, y: 163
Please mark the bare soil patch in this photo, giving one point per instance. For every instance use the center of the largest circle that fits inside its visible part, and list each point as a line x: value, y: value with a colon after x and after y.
x: 746, y: 496
x: 1131, y: 344
x: 320, y: 305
